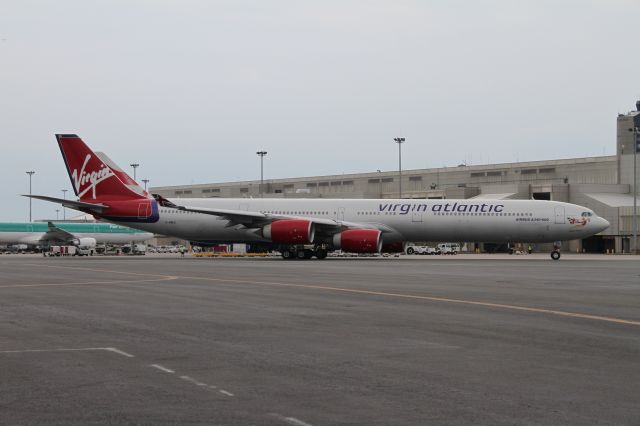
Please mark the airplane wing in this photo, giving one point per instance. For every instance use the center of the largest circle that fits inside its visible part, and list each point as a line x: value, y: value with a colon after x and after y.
x: 77, y: 205
x: 56, y: 234
x: 253, y: 219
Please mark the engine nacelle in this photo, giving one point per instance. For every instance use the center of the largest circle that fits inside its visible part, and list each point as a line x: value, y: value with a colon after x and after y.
x: 293, y: 231
x: 85, y: 243
x: 359, y: 241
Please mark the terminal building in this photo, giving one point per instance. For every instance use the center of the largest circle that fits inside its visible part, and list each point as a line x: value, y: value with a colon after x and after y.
x: 604, y: 184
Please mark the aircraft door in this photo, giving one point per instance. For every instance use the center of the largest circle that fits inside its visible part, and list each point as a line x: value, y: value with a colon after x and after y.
x: 340, y: 214
x: 559, y: 214
x: 144, y: 210
x: 416, y: 216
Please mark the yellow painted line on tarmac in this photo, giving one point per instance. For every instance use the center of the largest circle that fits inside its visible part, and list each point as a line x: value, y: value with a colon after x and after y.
x: 382, y: 294
x: 88, y: 283
x: 432, y: 299
x: 173, y: 277
x: 63, y: 284
x: 113, y: 350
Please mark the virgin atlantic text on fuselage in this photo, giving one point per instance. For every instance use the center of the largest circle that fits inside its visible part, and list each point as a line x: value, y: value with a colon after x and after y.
x: 405, y: 208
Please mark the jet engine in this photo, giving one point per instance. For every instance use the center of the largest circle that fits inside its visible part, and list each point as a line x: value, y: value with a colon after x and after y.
x: 85, y: 242
x: 359, y: 241
x: 291, y: 231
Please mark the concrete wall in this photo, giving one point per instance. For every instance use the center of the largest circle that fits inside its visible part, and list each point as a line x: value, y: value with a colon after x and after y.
x: 419, y: 183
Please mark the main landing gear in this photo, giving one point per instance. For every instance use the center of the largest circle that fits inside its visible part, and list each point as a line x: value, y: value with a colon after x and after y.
x: 303, y: 253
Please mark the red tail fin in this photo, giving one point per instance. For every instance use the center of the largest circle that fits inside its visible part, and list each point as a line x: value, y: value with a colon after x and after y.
x: 92, y: 178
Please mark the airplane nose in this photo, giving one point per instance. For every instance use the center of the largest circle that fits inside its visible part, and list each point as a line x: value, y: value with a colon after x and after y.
x: 602, y: 224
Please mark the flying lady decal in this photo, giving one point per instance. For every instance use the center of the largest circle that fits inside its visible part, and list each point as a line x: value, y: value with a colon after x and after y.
x: 582, y: 221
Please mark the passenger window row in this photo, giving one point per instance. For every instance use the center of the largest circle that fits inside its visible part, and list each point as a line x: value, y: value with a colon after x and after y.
x: 481, y: 214
x: 372, y: 213
x: 176, y: 211
x: 294, y: 212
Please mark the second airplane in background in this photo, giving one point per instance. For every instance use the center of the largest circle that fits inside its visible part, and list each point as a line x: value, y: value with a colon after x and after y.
x: 303, y: 228
x: 84, y: 236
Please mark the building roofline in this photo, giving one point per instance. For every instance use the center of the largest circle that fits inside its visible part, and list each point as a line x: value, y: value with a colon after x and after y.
x: 406, y: 172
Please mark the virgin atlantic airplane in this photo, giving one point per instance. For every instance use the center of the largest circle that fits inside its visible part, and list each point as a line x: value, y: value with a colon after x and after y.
x: 304, y: 228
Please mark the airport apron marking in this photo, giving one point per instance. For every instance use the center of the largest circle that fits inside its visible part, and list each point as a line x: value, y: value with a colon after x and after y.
x: 432, y: 299
x: 156, y: 279
x: 88, y: 283
x: 377, y: 293
x: 113, y: 350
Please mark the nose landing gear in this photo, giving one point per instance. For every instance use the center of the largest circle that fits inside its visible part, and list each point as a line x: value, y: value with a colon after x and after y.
x: 555, y: 254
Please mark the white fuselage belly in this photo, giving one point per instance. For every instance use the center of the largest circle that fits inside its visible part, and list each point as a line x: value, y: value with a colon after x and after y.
x: 410, y: 220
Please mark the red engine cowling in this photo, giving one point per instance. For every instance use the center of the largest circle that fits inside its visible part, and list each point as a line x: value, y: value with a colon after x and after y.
x: 294, y: 231
x: 359, y: 241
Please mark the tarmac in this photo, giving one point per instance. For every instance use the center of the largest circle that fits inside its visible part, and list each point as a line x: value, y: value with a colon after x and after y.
x: 465, y: 340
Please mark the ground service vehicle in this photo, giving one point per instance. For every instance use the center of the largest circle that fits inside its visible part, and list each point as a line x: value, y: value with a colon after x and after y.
x: 449, y: 248
x: 424, y: 250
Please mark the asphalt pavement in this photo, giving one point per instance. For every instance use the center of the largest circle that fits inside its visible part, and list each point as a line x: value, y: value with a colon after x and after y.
x: 462, y: 340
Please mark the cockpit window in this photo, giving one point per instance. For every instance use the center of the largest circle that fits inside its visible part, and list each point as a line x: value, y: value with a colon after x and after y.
x: 587, y: 214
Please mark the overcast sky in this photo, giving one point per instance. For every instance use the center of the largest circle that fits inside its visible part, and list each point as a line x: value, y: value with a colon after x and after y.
x: 191, y: 89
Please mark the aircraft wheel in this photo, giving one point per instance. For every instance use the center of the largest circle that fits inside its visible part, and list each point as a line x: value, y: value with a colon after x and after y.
x: 410, y: 250
x: 555, y: 255
x: 321, y: 254
x: 301, y: 254
x: 286, y: 254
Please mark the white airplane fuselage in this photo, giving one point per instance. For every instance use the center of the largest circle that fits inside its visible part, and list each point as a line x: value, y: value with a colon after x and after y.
x: 405, y: 220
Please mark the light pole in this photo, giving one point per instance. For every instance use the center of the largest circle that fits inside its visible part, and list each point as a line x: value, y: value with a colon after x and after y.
x: 636, y: 145
x: 30, y: 173
x: 399, y: 141
x: 146, y: 181
x: 261, y: 154
x: 64, y: 209
x: 135, y: 166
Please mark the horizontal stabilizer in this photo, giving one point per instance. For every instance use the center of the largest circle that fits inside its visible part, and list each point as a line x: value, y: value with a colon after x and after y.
x: 78, y: 205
